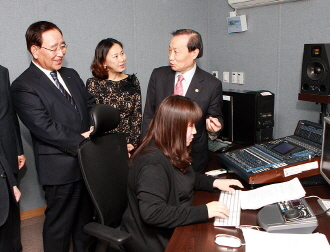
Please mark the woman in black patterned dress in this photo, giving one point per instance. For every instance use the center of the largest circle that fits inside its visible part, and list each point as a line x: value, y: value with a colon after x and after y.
x: 122, y: 91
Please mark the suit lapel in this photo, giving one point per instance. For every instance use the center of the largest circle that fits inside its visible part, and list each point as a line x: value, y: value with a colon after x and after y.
x: 48, y: 85
x: 196, y: 85
x: 73, y: 88
x: 168, y: 82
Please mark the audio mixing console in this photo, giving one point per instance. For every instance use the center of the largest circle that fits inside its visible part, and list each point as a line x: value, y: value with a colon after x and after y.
x: 265, y: 163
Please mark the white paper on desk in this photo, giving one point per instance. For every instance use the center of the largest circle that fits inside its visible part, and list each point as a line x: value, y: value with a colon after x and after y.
x: 269, y: 194
x: 261, y: 241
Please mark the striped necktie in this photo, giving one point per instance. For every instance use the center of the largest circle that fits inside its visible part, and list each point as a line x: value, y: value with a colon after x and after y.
x: 62, y: 89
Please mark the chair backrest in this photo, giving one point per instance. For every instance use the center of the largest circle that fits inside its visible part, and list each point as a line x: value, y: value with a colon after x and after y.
x: 103, y: 160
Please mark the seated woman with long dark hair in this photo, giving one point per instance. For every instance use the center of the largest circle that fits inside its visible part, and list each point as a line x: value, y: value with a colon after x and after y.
x: 161, y: 181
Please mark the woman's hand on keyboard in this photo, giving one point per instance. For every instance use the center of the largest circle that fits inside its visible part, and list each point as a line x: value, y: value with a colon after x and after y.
x: 226, y: 184
x: 217, y: 209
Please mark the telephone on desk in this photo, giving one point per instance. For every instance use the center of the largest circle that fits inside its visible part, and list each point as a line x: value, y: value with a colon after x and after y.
x: 293, y: 216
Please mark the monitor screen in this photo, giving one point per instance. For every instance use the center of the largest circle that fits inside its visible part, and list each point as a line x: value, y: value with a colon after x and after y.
x: 284, y: 148
x: 325, y: 156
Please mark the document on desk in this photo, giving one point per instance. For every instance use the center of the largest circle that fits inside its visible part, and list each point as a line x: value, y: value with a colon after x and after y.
x: 261, y: 241
x: 269, y: 194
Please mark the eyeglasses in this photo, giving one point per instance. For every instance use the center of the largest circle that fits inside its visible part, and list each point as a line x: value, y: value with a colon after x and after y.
x: 54, y: 50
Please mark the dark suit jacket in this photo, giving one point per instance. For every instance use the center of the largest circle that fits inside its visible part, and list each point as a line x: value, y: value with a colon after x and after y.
x: 10, y: 144
x: 10, y: 134
x: 204, y: 89
x: 54, y: 123
x: 154, y: 208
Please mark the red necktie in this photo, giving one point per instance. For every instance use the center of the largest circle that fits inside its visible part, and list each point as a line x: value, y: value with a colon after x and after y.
x: 178, y: 90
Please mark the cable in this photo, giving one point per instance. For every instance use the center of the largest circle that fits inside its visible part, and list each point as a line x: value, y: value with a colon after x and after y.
x: 314, y: 196
x: 231, y: 7
x: 323, y: 212
x: 249, y: 226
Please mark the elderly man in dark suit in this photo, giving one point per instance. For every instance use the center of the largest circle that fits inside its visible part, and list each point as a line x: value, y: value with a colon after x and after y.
x: 11, y: 159
x: 184, y: 77
x: 53, y: 103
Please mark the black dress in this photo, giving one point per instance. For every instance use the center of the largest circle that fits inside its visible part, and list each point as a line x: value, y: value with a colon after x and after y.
x: 124, y: 95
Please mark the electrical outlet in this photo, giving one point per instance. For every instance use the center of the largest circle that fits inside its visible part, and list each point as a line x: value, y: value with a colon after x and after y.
x: 240, y: 78
x: 225, y: 77
x: 215, y: 74
x: 234, y: 77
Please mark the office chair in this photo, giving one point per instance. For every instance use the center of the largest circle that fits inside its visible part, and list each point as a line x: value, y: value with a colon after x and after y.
x: 103, y: 160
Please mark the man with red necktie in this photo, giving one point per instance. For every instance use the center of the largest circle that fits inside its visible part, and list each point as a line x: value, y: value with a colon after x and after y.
x: 203, y: 88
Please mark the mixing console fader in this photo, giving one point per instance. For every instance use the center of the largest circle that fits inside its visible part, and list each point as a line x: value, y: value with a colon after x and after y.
x: 261, y: 159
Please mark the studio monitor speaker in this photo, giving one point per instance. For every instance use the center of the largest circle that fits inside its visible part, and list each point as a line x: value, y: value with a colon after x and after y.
x: 315, y: 76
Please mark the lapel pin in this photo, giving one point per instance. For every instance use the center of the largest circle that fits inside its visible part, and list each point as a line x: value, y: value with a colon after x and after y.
x: 196, y: 90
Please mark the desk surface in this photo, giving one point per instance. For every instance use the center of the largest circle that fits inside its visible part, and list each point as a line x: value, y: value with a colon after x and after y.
x: 200, y: 237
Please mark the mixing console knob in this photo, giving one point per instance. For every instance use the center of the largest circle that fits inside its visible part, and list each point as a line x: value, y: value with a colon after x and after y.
x: 291, y: 213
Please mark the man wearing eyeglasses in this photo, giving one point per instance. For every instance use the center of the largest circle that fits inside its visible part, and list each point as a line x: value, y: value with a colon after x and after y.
x: 54, y: 105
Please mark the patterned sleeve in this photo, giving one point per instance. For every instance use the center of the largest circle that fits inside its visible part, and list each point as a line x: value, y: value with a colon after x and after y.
x: 89, y: 85
x: 136, y: 118
x: 92, y: 87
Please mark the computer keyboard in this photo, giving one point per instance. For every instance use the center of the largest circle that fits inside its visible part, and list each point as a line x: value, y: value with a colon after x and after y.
x: 232, y: 201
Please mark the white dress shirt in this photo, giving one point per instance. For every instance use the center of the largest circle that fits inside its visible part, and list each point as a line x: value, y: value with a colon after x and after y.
x: 59, y: 77
x: 187, y: 79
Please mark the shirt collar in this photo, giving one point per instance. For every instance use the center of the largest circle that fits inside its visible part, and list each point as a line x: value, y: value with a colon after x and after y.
x: 45, y: 71
x: 187, y: 75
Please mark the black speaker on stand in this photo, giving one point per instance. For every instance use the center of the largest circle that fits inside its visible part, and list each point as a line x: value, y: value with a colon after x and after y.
x: 315, y: 76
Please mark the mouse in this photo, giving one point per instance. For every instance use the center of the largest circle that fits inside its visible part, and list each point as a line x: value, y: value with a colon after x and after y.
x: 291, y: 213
x: 228, y: 241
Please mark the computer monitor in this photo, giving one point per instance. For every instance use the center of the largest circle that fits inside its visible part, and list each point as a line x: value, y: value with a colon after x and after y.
x: 325, y: 156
